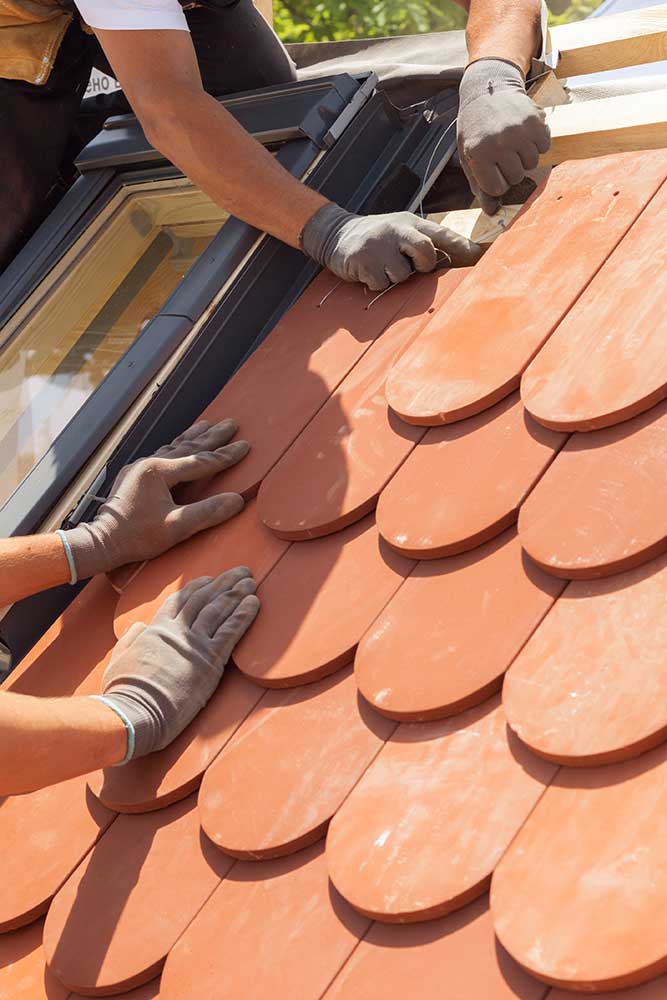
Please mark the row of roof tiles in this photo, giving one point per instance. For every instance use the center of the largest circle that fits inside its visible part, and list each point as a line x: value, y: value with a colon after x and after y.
x: 365, y: 702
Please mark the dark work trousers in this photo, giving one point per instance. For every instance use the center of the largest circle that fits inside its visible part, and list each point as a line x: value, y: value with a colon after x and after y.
x: 43, y: 128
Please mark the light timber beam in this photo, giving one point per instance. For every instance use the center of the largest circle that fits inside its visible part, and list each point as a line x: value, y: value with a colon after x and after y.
x: 610, y: 125
x: 611, y: 42
x: 475, y: 225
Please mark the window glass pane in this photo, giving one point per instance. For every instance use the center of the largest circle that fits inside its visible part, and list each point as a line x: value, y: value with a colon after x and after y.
x: 82, y: 320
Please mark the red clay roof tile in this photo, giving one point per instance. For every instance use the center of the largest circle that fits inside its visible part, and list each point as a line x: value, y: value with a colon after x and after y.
x: 274, y: 929
x: 44, y: 836
x: 579, y: 898
x: 291, y: 375
x: 421, y: 822
x: 243, y: 541
x: 445, y: 640
x: 456, y: 957
x: 23, y: 972
x: 590, y: 685
x: 316, y: 605
x: 607, y: 360
x: 423, y: 830
x: 289, y: 768
x: 602, y: 506
x: 354, y: 444
x: 464, y: 484
x: 113, y: 923
x: 69, y: 657
x: 173, y: 773
x: 467, y: 360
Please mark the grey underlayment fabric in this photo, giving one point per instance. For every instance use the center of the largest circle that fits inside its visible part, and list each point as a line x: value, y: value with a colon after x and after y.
x: 410, y: 68
x: 415, y: 67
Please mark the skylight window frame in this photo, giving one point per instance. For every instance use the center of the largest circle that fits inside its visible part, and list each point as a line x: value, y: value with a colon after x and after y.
x: 379, y: 162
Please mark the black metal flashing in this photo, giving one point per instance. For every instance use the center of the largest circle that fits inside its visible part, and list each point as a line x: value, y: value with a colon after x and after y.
x: 273, y: 115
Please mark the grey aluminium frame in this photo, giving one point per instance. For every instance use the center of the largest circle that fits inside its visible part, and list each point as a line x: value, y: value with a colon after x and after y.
x: 379, y: 162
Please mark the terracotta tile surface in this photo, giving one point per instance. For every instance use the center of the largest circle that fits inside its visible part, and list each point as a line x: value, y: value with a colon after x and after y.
x: 591, y: 685
x: 23, y: 972
x: 524, y: 286
x: 113, y: 923
x: 67, y: 659
x: 455, y: 957
x: 44, y: 836
x: 290, y: 767
x: 272, y: 929
x: 579, y: 898
x: 354, y: 444
x: 150, y: 991
x: 602, y: 506
x: 243, y: 541
x: 655, y: 990
x: 607, y: 361
x: 291, y: 375
x: 172, y: 774
x: 423, y: 830
x: 446, y: 638
x: 316, y: 605
x: 464, y: 484
x: 409, y: 761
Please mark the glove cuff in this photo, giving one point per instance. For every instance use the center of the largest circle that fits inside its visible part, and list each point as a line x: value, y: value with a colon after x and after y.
x: 143, y: 729
x: 319, y: 236
x: 487, y: 76
x: 85, y: 555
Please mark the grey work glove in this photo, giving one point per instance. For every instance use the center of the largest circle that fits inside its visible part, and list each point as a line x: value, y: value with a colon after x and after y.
x: 501, y: 131
x: 140, y: 519
x: 161, y: 675
x: 381, y: 250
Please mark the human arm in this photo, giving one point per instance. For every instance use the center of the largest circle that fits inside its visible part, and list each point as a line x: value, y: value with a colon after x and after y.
x: 501, y: 131
x: 196, y: 133
x: 140, y: 520
x: 159, y: 677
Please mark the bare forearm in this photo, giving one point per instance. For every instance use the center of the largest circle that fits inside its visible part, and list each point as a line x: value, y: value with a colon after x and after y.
x: 509, y: 30
x: 47, y: 740
x: 30, y: 565
x: 232, y: 168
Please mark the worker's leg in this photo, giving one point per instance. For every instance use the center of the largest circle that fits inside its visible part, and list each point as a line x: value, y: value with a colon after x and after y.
x: 35, y: 124
x: 236, y: 48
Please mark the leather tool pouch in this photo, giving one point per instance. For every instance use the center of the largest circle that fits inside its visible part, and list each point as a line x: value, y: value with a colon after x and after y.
x: 30, y: 35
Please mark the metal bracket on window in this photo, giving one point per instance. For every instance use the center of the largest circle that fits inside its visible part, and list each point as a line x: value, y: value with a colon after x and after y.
x: 365, y: 91
x: 91, y: 495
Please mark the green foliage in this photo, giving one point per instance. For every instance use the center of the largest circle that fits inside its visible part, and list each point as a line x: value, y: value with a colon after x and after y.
x: 334, y: 20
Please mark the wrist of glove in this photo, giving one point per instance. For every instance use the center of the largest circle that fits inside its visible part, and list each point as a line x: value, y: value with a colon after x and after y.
x: 160, y: 676
x: 501, y: 131
x: 381, y: 250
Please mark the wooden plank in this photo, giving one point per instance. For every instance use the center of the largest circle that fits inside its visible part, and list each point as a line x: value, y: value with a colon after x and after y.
x: 547, y: 91
x: 265, y: 7
x: 610, y: 125
x: 474, y: 224
x: 612, y: 42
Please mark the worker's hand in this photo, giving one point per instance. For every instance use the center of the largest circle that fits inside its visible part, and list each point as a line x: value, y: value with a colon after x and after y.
x: 381, y: 250
x: 140, y: 519
x: 501, y: 132
x: 161, y: 675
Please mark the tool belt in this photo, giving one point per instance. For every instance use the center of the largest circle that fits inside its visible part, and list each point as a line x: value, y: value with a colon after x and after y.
x: 31, y: 32
x: 30, y: 35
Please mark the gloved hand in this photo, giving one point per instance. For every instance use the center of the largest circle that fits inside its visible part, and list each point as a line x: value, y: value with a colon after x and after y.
x: 160, y: 676
x: 140, y: 519
x: 380, y: 250
x: 501, y: 132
